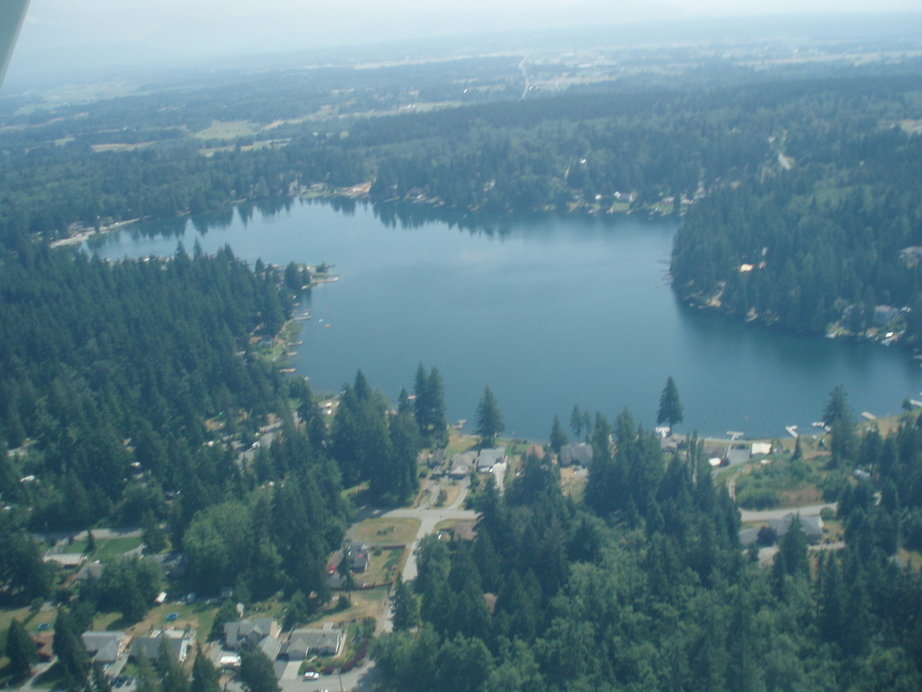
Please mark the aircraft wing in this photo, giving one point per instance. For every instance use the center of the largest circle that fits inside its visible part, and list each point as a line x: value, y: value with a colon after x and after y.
x: 12, y: 12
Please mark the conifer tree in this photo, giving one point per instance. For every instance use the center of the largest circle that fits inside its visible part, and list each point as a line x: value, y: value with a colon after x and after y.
x: 204, y: 675
x: 670, y: 409
x: 558, y: 437
x: 20, y: 649
x: 489, y: 419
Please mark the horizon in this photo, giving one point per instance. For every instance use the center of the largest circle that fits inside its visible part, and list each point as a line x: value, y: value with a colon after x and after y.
x: 62, y: 41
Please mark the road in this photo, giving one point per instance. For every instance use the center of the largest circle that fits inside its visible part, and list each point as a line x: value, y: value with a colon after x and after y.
x: 805, y: 511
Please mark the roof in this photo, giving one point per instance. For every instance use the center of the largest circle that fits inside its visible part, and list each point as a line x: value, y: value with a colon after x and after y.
x: 270, y: 646
x: 91, y: 570
x: 105, y: 647
x: 461, y: 463
x: 465, y: 531
x: 304, y: 641
x: 177, y: 644
x: 357, y: 555
x: 580, y: 453
x: 66, y: 559
x: 811, y: 526
x: 488, y: 458
x: 748, y: 536
x: 761, y: 448
x: 235, y: 633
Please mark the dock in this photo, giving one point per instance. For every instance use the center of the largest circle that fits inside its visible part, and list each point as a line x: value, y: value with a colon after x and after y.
x: 868, y: 416
x: 792, y: 431
x: 734, y: 435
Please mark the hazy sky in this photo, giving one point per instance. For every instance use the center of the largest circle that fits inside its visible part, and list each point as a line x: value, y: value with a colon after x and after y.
x: 62, y: 34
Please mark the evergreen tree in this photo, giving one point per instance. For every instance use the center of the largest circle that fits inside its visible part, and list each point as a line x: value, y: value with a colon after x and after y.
x: 576, y: 422
x: 20, y: 649
x: 172, y: 676
x: 256, y: 671
x: 147, y: 678
x: 226, y: 613
x: 152, y: 535
x: 406, y: 609
x: 489, y: 419
x: 69, y: 648
x: 429, y: 406
x: 558, y: 437
x: 204, y: 674
x: 670, y: 408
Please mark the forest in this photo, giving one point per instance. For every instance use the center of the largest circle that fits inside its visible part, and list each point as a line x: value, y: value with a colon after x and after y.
x: 644, y: 585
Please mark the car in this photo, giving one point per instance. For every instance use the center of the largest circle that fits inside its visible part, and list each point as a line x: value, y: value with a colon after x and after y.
x: 311, y: 675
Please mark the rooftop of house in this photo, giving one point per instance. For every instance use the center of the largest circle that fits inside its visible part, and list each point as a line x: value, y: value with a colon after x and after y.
x: 578, y: 453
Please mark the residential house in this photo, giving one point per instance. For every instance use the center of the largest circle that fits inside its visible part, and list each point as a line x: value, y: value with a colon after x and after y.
x: 90, y: 570
x: 461, y: 465
x: 738, y: 454
x: 811, y: 526
x: 579, y: 454
x: 326, y: 642
x: 356, y: 557
x: 177, y: 644
x: 105, y: 647
x: 761, y: 448
x: 488, y: 458
x: 242, y: 632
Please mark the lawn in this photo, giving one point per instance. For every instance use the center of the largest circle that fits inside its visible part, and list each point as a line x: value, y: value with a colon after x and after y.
x: 384, y: 531
x: 382, y: 567
x: 197, y: 616
x: 364, y: 604
x: 109, y: 550
x: 452, y: 490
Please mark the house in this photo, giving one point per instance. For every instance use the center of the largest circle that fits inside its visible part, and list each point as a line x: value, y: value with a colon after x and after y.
x: 884, y: 314
x: 241, y: 632
x: 65, y: 560
x: 465, y: 530
x: 748, y: 536
x: 326, y: 642
x: 90, y: 570
x: 811, y: 526
x: 761, y: 448
x: 576, y: 454
x: 356, y: 557
x: 105, y: 647
x: 437, y: 458
x: 488, y: 458
x: 176, y: 641
x: 738, y: 454
x: 461, y: 465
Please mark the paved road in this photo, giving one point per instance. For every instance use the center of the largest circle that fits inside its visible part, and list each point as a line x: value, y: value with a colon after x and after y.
x: 805, y: 511
x: 428, y: 519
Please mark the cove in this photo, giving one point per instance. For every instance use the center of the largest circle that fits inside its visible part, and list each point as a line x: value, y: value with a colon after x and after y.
x: 549, y: 311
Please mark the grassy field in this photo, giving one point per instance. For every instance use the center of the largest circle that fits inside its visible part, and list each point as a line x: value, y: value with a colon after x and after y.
x: 384, y: 531
x: 226, y: 129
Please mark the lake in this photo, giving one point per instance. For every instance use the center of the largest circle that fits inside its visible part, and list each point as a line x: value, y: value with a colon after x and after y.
x: 548, y: 311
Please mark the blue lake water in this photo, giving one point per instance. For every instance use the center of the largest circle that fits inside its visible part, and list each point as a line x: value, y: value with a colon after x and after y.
x: 548, y: 311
